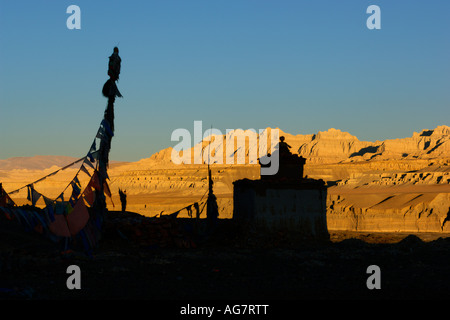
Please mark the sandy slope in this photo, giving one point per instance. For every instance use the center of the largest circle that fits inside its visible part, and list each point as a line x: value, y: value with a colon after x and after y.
x: 399, y: 185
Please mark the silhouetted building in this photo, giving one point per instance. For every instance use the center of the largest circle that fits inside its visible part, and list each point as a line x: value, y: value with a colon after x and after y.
x: 123, y: 199
x: 283, y: 201
x: 290, y: 165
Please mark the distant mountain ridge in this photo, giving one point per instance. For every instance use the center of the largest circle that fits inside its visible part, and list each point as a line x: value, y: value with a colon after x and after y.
x: 35, y: 162
x: 331, y: 146
x: 334, y: 146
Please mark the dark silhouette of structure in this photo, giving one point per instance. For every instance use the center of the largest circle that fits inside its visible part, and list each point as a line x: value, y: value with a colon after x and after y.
x: 123, y: 199
x: 114, y: 65
x: 212, y: 209
x: 197, y: 210
x: 63, y: 221
x: 284, y: 147
x: 110, y: 91
x: 290, y: 165
x: 285, y: 201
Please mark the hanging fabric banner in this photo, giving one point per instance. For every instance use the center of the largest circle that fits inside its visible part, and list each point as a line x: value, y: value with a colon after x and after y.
x: 107, y: 127
x: 90, y: 156
x: 77, y: 182
x: 60, y: 208
x: 75, y: 189
x: 50, y: 212
x: 49, y: 175
x: 78, y: 218
x: 5, y: 200
x: 101, y: 133
x: 107, y: 191
x: 29, y: 192
x: 69, y: 208
x: 95, y: 181
x: 59, y: 226
x: 85, y: 170
x: 89, y: 163
x: 48, y: 201
x: 88, y: 195
x: 35, y: 196
x: 61, y: 196
x: 93, y: 146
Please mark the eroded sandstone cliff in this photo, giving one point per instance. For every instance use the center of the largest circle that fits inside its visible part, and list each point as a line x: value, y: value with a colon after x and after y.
x: 391, y: 185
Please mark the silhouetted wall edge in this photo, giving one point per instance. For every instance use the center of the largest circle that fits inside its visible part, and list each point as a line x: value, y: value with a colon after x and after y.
x: 296, y: 206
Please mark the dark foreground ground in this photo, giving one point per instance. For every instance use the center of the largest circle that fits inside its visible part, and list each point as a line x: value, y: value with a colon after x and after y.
x: 229, y: 268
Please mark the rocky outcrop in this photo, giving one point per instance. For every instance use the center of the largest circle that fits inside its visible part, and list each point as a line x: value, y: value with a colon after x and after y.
x: 391, y: 213
x: 334, y: 146
x: 428, y: 144
x: 392, y: 201
x: 331, y: 146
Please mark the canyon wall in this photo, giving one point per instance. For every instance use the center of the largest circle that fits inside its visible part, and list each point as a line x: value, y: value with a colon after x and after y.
x: 393, y: 185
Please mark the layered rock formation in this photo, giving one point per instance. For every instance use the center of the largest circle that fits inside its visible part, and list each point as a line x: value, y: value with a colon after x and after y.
x: 325, y: 147
x: 332, y: 146
x: 393, y: 200
x: 428, y: 144
x: 386, y: 212
x: 391, y: 185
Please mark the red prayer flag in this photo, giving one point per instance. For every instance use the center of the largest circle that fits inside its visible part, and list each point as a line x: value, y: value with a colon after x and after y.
x: 78, y: 218
x: 106, y: 189
x: 89, y: 195
x: 95, y: 182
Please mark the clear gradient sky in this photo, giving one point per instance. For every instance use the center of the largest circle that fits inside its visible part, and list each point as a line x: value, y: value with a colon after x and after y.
x: 302, y: 66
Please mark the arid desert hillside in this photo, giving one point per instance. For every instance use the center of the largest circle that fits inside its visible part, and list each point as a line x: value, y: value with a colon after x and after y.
x: 397, y: 185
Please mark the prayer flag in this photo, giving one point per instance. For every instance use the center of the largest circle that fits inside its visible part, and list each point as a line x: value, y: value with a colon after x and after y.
x: 29, y: 192
x: 107, y: 127
x: 95, y: 182
x: 34, y: 196
x: 75, y: 190
x: 77, y: 181
x: 48, y: 201
x: 50, y: 212
x: 89, y: 163
x: 69, y: 208
x: 107, y: 191
x: 106, y: 188
x: 60, y: 208
x: 93, y: 146
x: 89, y: 195
x: 78, y: 218
x: 59, y: 226
x: 85, y: 170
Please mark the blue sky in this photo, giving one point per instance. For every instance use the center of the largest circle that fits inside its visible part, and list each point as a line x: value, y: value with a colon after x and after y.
x: 302, y: 66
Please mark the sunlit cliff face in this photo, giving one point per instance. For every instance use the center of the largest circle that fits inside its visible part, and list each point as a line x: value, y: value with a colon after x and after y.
x: 370, y: 184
